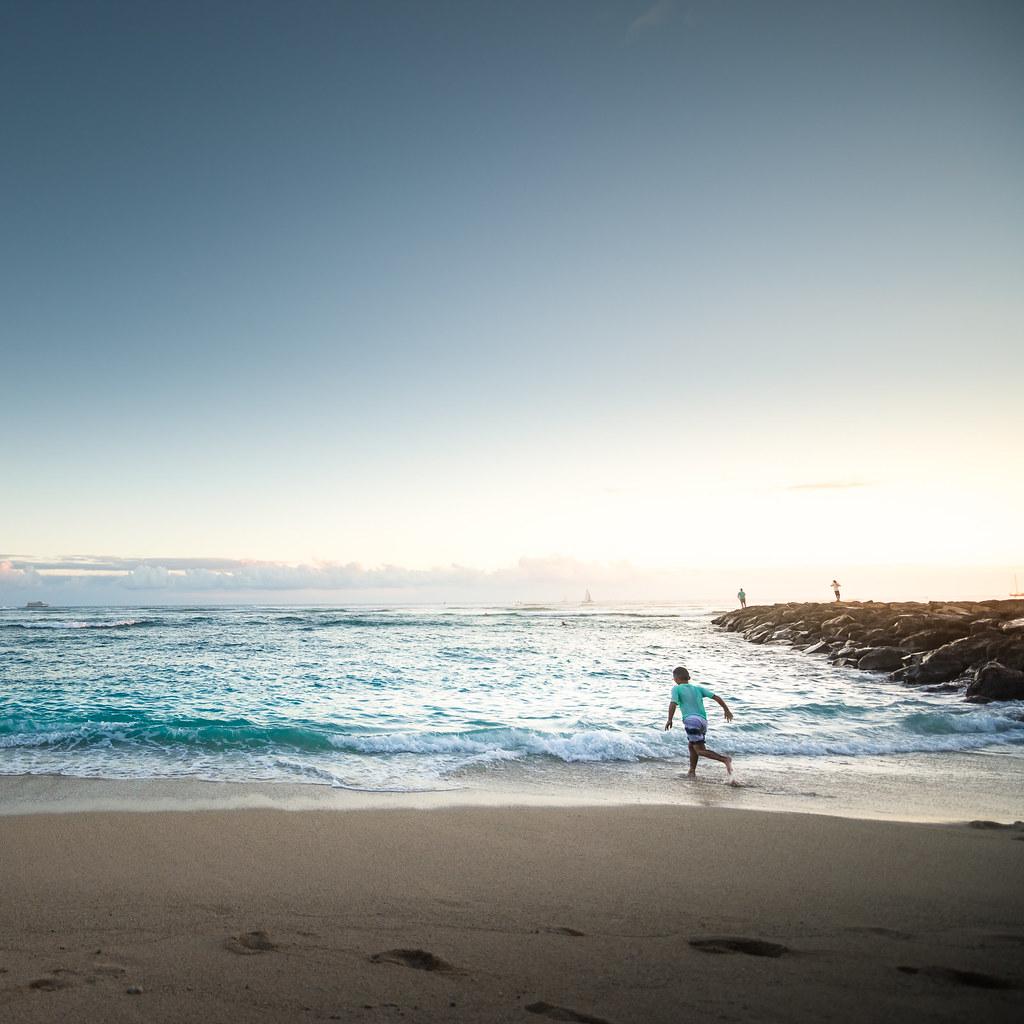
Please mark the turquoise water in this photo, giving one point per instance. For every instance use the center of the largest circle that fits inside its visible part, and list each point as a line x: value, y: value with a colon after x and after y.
x: 413, y: 698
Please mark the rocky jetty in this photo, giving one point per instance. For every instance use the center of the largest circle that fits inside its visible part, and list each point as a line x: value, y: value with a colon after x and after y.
x: 942, y: 645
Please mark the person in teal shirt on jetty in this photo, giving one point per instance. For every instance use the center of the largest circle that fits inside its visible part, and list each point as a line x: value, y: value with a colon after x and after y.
x: 742, y: 597
x: 689, y: 698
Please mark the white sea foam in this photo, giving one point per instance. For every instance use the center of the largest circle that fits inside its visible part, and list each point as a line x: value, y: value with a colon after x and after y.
x: 607, y: 745
x: 71, y: 624
x: 588, y: 745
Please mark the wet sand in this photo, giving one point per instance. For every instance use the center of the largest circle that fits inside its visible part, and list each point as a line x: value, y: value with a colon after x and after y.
x: 927, y: 788
x: 642, y: 913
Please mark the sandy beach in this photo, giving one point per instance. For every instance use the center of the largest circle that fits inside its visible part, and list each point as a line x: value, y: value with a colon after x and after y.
x: 644, y: 913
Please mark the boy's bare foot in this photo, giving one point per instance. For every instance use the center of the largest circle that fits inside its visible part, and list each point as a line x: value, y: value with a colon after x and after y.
x: 691, y: 775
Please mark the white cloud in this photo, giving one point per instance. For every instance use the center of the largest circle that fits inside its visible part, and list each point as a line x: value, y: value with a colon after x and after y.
x: 12, y: 574
x: 146, y: 577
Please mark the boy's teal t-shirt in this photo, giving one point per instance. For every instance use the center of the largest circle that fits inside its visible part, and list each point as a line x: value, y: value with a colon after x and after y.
x: 690, y: 699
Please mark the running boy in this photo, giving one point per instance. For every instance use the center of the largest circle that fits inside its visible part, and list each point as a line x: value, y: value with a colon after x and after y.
x: 690, y: 699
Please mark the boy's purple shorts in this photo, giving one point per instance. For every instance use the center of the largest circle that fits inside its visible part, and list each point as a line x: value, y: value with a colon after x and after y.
x: 696, y: 728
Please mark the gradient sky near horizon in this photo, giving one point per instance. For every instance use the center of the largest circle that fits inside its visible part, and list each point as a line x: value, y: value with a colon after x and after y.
x: 675, y: 283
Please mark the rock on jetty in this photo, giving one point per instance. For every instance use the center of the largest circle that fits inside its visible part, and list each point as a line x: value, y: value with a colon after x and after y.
x: 934, y: 644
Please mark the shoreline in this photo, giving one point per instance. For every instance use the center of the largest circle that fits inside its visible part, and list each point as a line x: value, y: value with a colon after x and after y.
x: 608, y: 914
x: 968, y: 786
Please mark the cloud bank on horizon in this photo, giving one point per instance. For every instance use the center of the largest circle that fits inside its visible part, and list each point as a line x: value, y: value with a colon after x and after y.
x: 93, y: 580
x: 232, y: 575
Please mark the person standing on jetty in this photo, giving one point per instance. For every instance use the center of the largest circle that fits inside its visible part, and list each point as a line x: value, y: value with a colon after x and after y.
x: 742, y: 595
x: 690, y: 698
x: 835, y: 588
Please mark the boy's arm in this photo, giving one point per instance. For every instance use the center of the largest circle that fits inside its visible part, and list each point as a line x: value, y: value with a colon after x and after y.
x: 671, y: 714
x: 725, y: 708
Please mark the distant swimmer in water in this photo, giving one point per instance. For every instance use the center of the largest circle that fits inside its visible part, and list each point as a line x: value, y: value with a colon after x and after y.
x: 742, y: 595
x: 835, y: 588
x: 690, y: 699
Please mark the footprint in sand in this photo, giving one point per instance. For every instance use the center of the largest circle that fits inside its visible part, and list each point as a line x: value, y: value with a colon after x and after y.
x: 564, y: 931
x: 249, y: 942
x: 49, y: 984
x: 750, y: 947
x: 954, y: 976
x: 563, y: 1013
x: 417, y: 959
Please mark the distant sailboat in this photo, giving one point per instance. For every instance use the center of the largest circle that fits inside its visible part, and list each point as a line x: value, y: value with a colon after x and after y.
x: 1016, y: 592
x: 588, y: 599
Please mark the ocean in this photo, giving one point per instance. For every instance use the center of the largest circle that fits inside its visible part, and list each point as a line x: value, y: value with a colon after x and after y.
x: 413, y: 699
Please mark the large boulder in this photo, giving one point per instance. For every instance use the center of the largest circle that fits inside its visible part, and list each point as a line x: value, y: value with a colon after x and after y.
x: 908, y: 624
x: 974, y: 649
x: 819, y: 648
x: 995, y: 682
x: 983, y: 625
x: 882, y: 659
x: 847, y: 650
x: 937, y: 667
x: 1008, y: 651
x: 934, y: 638
x: 949, y: 661
x: 789, y: 615
x: 832, y: 627
x: 1013, y: 626
x: 759, y: 634
x: 881, y: 637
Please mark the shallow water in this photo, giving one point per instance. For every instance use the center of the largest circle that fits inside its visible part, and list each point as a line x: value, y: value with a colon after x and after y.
x: 442, y: 697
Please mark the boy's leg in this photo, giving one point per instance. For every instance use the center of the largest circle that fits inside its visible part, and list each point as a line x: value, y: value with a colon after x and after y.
x: 693, y: 761
x: 703, y: 751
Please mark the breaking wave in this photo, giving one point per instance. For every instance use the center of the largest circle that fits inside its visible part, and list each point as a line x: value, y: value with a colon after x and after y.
x: 917, y: 733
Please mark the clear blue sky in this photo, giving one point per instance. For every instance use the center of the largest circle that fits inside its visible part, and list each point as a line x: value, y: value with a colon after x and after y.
x: 434, y: 282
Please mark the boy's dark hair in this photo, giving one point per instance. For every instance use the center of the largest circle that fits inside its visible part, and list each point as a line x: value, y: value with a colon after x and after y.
x: 681, y: 674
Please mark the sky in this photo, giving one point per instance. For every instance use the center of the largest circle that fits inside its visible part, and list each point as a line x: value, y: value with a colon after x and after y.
x: 330, y: 300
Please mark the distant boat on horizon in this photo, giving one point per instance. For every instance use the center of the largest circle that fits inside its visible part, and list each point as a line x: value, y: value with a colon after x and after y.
x: 588, y: 599
x: 1016, y: 592
x: 37, y: 604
